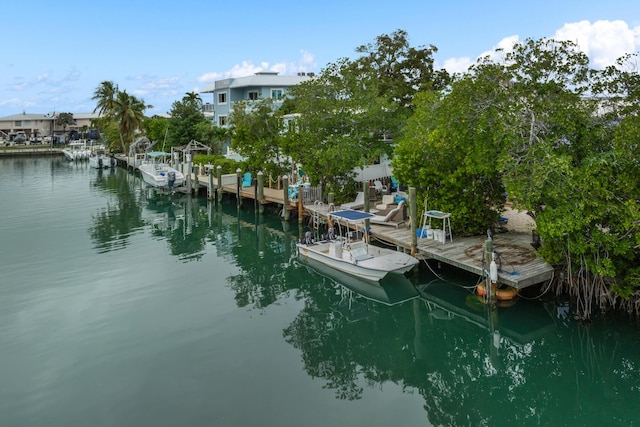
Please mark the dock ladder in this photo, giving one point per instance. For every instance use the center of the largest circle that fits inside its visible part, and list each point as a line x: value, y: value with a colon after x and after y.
x: 318, y: 207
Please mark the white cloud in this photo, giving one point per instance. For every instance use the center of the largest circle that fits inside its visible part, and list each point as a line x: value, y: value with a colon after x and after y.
x: 457, y: 65
x: 602, y: 41
x: 247, y: 68
x: 462, y: 64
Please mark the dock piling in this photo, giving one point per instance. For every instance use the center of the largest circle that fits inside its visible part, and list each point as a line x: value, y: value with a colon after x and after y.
x: 260, y: 190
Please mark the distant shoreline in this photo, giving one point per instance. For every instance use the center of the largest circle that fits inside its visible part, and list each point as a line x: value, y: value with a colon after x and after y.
x: 29, y: 150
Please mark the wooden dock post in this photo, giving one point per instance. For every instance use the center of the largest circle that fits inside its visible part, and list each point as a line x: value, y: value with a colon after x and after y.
x: 300, y: 205
x: 188, y: 174
x: 490, y: 287
x: 219, y: 184
x: 413, y: 216
x: 196, y: 183
x: 367, y: 197
x: 210, y: 190
x: 238, y: 185
x: 285, y: 203
x: 260, y: 192
x: 367, y: 208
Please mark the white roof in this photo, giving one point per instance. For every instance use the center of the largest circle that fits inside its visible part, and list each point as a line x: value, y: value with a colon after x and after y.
x: 48, y: 116
x: 269, y: 79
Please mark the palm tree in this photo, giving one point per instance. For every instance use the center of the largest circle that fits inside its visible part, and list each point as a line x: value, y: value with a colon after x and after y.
x: 128, y: 112
x: 105, y: 95
x: 192, y: 98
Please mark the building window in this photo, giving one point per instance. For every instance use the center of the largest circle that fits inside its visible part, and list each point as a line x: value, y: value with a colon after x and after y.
x: 222, y: 120
x: 222, y: 98
x: 17, y: 123
x: 276, y: 93
x: 253, y: 95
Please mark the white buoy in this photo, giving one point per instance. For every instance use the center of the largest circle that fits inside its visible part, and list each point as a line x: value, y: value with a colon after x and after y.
x: 493, y: 269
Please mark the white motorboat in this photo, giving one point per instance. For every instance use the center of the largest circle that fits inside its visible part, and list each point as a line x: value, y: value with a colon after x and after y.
x: 353, y: 255
x: 99, y: 160
x: 156, y: 171
x: 76, y: 150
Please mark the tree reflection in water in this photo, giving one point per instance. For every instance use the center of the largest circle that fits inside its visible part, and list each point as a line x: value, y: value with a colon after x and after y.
x: 472, y: 365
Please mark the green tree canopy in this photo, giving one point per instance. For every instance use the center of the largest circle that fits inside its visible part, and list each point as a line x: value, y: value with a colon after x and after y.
x: 126, y: 110
x: 257, y: 134
x: 547, y: 126
x: 64, y: 120
x: 186, y: 116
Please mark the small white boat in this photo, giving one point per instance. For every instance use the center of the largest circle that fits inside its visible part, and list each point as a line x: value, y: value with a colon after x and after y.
x: 99, y: 160
x: 156, y: 171
x: 354, y: 256
x: 76, y: 150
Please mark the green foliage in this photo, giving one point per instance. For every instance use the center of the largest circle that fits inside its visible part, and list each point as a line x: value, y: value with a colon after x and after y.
x: 64, y: 120
x: 129, y: 114
x: 155, y: 128
x: 568, y: 159
x: 111, y: 136
x: 227, y: 165
x: 400, y: 69
x: 127, y: 111
x: 257, y: 129
x: 186, y: 117
x: 342, y: 122
x: 211, y: 135
x: 105, y: 96
x: 447, y: 153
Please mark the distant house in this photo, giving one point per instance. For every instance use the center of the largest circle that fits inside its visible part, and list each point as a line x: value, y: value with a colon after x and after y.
x: 41, y: 125
x: 262, y: 85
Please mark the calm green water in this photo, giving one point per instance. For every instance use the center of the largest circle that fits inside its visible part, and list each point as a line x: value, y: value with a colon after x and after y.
x: 121, y: 308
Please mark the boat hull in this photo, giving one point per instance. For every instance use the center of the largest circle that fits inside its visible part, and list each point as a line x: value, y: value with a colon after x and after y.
x: 101, y: 162
x: 158, y: 177
x: 378, y: 263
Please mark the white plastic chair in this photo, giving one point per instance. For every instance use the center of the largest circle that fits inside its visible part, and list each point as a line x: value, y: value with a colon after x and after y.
x: 379, y: 187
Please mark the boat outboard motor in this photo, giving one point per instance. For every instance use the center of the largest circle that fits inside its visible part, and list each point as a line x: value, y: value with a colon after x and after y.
x: 113, y: 162
x: 331, y: 233
x: 100, y: 162
x: 308, y: 238
x: 171, y: 179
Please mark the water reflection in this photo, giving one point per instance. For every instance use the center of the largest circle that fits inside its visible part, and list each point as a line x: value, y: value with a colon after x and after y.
x: 471, y: 364
x: 393, y: 289
x: 263, y: 251
x: 180, y: 220
x: 122, y: 215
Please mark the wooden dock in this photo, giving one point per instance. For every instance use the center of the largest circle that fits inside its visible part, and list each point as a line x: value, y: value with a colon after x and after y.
x: 519, y: 266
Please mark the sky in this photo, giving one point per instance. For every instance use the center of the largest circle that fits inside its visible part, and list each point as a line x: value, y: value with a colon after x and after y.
x: 55, y: 54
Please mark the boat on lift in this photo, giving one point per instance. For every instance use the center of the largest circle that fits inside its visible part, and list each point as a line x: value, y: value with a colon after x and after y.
x: 76, y: 150
x: 157, y: 172
x: 353, y: 255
